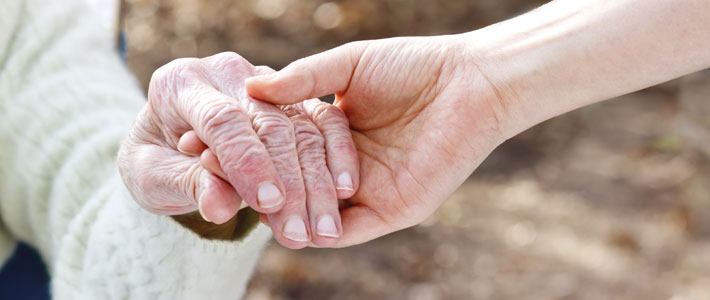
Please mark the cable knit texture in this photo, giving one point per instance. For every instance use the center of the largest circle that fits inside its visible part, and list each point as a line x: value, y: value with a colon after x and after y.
x: 66, y: 103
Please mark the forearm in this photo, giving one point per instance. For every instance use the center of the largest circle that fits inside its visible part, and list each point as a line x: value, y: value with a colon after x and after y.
x: 66, y: 102
x: 572, y: 53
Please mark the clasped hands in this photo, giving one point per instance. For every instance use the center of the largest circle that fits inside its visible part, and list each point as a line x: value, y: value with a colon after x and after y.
x: 202, y: 143
x: 409, y: 124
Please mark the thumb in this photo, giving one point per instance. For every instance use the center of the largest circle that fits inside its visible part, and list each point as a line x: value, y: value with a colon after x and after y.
x: 322, y: 74
x: 166, y: 182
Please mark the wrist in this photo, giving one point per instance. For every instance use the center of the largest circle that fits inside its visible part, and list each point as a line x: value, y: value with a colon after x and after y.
x: 569, y: 54
x: 524, y: 61
x: 490, y: 82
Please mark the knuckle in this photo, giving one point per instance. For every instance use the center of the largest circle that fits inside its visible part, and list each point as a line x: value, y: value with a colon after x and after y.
x: 146, y: 128
x: 332, y: 112
x: 318, y: 109
x: 224, y: 124
x: 172, y: 77
x: 318, y: 180
x: 334, y: 124
x: 326, y: 114
x: 297, y: 113
x: 176, y: 69
x: 296, y: 199
x: 342, y: 145
x: 309, y: 140
x: 227, y: 57
x: 214, y: 115
x: 322, y: 186
x: 230, y: 62
x: 275, y: 131
x: 293, y: 184
x: 185, y: 61
x: 249, y: 160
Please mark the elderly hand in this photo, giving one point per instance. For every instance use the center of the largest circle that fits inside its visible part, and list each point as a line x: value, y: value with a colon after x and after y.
x: 284, y: 162
x: 422, y: 116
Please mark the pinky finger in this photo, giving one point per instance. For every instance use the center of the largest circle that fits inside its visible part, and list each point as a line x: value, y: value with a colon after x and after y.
x: 218, y: 201
x: 210, y: 162
x: 191, y: 144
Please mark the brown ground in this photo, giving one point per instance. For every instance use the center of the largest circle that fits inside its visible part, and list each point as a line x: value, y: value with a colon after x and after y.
x: 608, y: 202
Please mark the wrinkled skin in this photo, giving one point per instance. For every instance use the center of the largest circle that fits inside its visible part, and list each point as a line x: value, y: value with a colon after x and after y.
x: 201, y: 143
x: 422, y: 116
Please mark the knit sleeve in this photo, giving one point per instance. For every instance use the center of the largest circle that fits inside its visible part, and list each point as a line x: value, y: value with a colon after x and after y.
x: 66, y: 103
x: 9, y: 21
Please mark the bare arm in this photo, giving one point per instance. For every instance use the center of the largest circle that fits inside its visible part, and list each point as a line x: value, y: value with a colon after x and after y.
x: 571, y: 53
x: 426, y: 111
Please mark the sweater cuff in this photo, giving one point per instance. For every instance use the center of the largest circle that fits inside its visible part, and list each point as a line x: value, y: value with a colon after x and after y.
x: 133, y: 254
x: 251, y: 233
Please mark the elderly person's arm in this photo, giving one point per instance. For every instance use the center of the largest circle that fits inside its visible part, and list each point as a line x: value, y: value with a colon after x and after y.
x: 66, y: 104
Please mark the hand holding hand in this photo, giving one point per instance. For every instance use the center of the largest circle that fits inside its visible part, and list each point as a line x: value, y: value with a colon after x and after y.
x: 284, y: 162
x: 422, y: 116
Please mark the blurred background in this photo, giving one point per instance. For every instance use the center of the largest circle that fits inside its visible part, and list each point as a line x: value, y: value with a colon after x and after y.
x: 608, y: 202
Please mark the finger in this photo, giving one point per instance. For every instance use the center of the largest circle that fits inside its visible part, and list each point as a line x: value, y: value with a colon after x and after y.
x: 322, y: 201
x: 342, y: 157
x: 290, y: 224
x: 218, y: 201
x: 314, y: 76
x: 340, y: 150
x: 210, y: 162
x: 190, y: 144
x: 171, y: 183
x: 226, y: 129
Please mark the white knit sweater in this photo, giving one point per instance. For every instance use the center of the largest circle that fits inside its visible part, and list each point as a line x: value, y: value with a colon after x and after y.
x: 66, y: 103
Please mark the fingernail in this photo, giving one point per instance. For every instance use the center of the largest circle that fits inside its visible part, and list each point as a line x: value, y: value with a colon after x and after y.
x: 269, y: 196
x: 345, y: 182
x: 295, y: 230
x: 326, y: 227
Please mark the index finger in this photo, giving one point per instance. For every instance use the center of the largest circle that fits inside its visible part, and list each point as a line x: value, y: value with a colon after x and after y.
x: 341, y: 153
